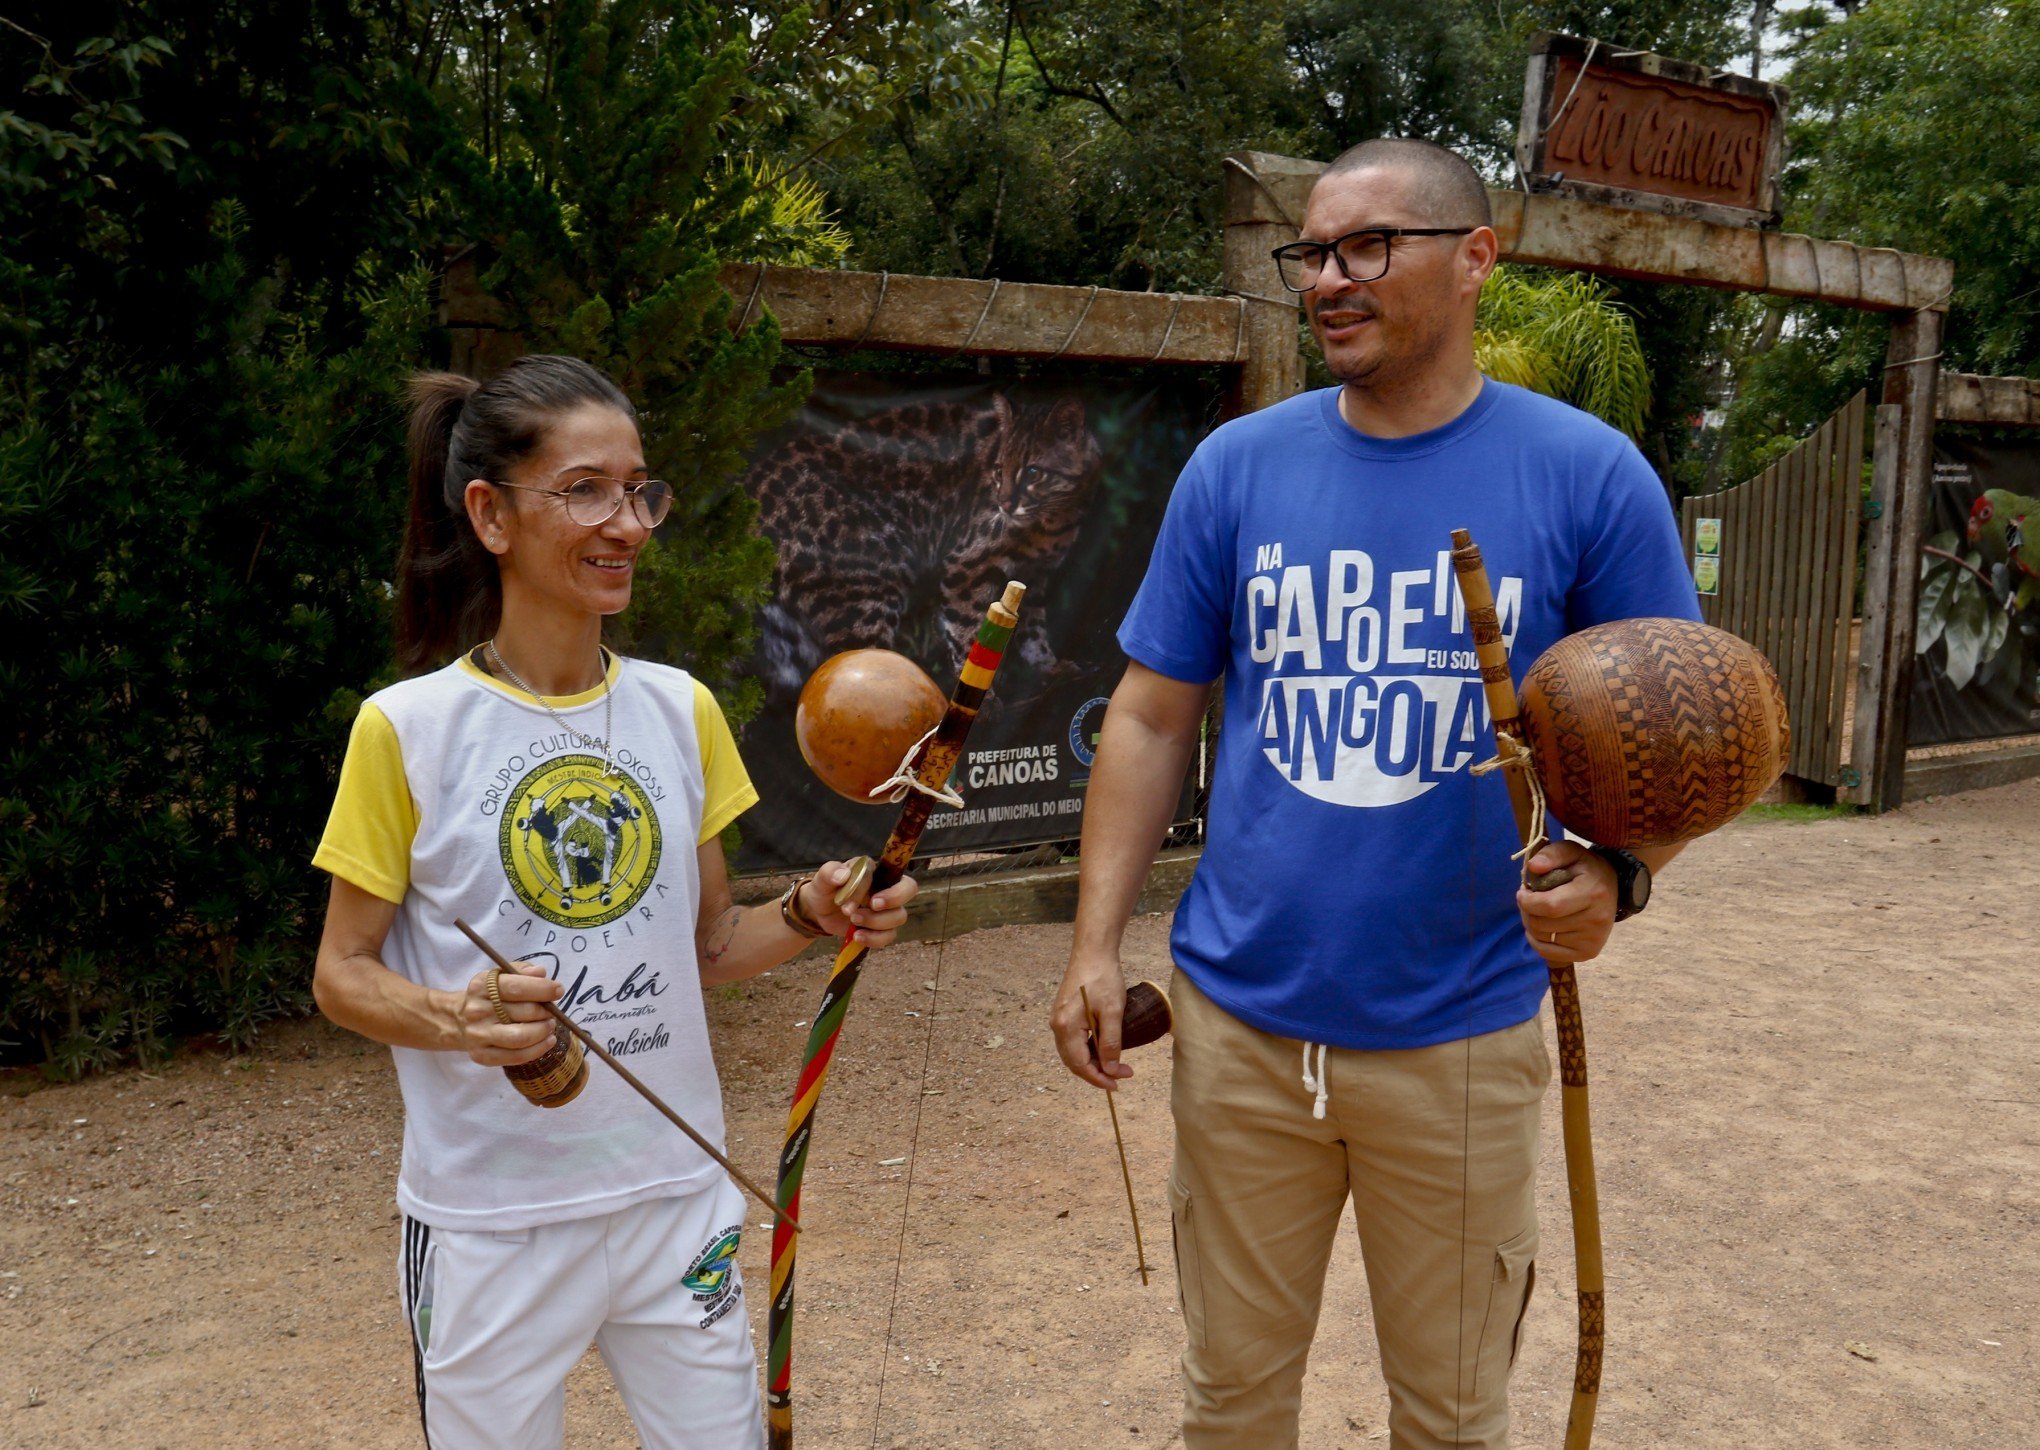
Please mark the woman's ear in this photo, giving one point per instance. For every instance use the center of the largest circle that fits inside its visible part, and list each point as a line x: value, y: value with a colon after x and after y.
x: 486, y: 511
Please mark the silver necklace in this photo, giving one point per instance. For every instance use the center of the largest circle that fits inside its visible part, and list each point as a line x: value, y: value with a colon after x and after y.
x: 608, y: 709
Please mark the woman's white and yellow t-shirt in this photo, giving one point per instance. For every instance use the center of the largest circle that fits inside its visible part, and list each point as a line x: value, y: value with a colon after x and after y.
x: 463, y: 797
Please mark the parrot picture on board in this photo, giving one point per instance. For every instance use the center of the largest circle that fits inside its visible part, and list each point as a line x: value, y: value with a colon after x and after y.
x: 1997, y: 526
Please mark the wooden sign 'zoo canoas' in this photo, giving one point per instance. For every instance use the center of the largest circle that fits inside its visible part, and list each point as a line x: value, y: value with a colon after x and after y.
x: 1628, y: 128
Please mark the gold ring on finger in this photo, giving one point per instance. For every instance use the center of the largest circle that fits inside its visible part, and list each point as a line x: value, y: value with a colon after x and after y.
x: 495, y: 992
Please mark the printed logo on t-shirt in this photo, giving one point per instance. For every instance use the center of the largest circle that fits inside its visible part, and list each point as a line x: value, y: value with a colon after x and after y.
x: 1369, y: 692
x: 579, y: 849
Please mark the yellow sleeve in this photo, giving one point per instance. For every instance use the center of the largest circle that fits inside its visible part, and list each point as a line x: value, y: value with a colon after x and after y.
x: 368, y: 836
x: 728, y: 790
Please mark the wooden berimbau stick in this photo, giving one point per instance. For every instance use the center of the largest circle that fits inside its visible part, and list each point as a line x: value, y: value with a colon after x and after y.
x: 503, y: 964
x: 1139, y: 1251
x: 1484, y: 623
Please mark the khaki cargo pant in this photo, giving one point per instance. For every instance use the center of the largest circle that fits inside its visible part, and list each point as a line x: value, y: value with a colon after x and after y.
x: 1440, y: 1163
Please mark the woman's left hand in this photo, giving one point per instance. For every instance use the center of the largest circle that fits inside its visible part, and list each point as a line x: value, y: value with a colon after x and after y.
x: 870, y: 923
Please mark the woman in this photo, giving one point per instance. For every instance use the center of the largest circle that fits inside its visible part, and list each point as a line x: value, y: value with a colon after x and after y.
x: 568, y: 803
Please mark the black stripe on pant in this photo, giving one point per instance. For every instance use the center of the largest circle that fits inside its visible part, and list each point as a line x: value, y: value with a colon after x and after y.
x: 417, y: 1239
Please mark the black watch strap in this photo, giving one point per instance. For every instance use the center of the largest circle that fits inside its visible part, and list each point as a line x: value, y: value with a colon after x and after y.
x: 1632, y: 880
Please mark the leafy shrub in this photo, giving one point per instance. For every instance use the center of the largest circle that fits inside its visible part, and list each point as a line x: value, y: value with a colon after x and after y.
x: 212, y: 291
x: 197, y: 545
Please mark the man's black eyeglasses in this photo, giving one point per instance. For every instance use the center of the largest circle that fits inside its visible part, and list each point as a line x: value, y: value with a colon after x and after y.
x: 1362, y: 256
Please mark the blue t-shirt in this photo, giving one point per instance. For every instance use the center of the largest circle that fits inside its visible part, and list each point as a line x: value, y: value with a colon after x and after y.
x: 1356, y: 886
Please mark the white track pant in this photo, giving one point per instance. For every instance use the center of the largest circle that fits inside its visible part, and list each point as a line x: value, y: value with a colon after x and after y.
x: 497, y: 1320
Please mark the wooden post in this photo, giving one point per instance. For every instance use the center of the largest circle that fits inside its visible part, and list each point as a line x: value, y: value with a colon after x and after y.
x: 1258, y: 220
x: 1843, y: 506
x: 1912, y: 384
x: 1877, y: 527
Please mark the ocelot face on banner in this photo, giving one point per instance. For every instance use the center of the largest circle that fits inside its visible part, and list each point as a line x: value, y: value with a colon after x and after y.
x: 1397, y: 324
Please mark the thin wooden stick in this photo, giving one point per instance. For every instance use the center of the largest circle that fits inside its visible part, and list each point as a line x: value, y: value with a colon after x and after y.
x: 1139, y: 1251
x: 503, y: 964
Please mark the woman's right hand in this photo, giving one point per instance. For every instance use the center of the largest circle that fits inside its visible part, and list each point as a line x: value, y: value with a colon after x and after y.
x: 529, y: 1034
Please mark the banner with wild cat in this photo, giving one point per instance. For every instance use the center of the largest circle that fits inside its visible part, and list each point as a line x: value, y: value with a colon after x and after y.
x: 899, y: 506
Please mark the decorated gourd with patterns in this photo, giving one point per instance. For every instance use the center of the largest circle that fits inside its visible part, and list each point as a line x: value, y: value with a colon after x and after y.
x: 1644, y: 732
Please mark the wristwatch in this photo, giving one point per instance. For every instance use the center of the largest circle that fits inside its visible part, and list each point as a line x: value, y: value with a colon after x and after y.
x: 1632, y: 880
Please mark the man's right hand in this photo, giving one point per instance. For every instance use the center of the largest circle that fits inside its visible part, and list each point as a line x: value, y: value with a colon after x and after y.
x: 1100, y: 978
x: 1144, y: 750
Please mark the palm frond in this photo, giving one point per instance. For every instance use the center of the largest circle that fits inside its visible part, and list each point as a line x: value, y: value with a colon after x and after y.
x: 789, y: 218
x: 1508, y: 358
x: 1561, y: 334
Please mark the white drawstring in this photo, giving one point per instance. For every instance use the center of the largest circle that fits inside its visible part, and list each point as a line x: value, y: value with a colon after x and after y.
x: 1316, y: 1082
x: 893, y: 791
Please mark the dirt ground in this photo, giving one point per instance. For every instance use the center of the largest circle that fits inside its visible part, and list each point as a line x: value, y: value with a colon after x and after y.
x: 1817, y: 1114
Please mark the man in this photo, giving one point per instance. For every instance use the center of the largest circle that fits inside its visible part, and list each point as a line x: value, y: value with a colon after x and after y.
x: 1358, y: 975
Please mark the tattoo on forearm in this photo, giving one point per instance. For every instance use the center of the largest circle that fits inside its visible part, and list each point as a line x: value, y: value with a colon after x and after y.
x: 715, y: 942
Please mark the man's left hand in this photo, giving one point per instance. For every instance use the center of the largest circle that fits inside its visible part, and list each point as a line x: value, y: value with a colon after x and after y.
x: 1569, y: 923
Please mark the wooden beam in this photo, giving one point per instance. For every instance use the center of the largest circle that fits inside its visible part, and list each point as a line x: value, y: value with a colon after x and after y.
x: 1979, y: 770
x: 1254, y: 227
x: 1972, y: 398
x: 1553, y: 231
x: 986, y: 318
x: 915, y: 314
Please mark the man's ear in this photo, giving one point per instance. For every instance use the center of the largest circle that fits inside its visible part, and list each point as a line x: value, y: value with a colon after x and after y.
x: 1482, y: 251
x: 486, y: 510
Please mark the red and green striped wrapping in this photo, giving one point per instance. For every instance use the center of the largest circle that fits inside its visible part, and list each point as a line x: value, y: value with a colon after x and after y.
x: 983, y: 661
x: 936, y: 763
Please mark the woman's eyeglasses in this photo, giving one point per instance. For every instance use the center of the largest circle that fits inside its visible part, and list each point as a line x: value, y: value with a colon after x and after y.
x: 592, y: 502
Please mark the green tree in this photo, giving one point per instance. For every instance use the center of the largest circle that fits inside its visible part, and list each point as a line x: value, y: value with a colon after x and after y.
x: 1409, y: 67
x: 200, y: 423
x: 1069, y: 142
x: 196, y: 446
x: 196, y: 496
x: 1081, y: 143
x: 591, y: 167
x: 1710, y: 32
x: 1898, y: 147
x: 1910, y: 129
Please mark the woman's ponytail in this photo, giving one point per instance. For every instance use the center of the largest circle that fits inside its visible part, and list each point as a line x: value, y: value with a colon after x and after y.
x: 448, y: 591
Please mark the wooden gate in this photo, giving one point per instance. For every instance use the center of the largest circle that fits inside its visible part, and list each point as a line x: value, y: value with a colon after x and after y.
x: 1781, y: 550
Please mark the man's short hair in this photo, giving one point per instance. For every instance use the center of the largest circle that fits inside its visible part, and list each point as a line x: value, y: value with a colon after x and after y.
x: 1447, y: 191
